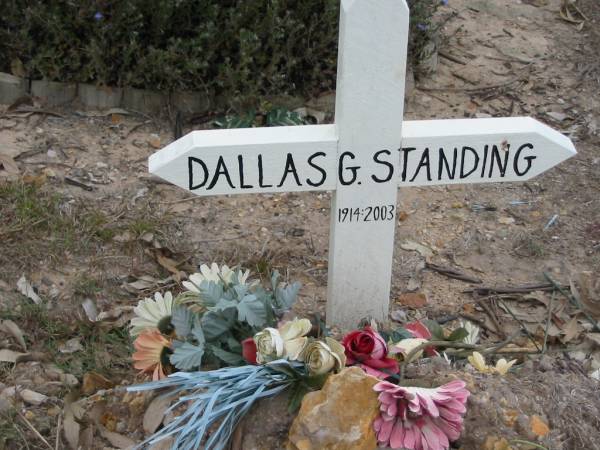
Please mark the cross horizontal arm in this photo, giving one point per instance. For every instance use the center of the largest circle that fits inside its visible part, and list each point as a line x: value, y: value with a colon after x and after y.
x: 250, y: 160
x: 307, y: 158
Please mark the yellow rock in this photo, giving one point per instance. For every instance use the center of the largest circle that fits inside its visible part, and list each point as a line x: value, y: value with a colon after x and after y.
x: 338, y: 417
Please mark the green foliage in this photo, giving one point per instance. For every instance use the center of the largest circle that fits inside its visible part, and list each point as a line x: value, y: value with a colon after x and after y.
x: 274, y: 117
x: 237, y: 50
x: 230, y: 312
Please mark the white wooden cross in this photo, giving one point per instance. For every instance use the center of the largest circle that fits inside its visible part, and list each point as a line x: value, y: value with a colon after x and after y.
x: 363, y: 157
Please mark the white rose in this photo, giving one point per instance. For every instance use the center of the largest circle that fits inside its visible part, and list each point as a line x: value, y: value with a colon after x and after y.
x: 293, y: 334
x: 323, y: 357
x: 405, y: 346
x: 269, y: 345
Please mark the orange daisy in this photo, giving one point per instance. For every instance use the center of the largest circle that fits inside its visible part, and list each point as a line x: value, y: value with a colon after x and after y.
x: 152, y: 353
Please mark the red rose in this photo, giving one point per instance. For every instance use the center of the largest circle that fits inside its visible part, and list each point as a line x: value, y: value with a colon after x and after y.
x: 368, y: 349
x: 249, y: 350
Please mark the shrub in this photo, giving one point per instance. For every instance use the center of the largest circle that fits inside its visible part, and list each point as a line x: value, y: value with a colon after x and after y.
x: 244, y: 49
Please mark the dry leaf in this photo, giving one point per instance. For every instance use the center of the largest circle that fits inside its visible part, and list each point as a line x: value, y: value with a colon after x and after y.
x: 572, y: 329
x: 93, y: 382
x: 413, y: 299
x: 9, y: 327
x: 71, y: 346
x: 538, y: 426
x: 424, y: 251
x: 168, y: 263
x: 72, y: 415
x: 27, y: 395
x: 89, y: 307
x: 117, y: 440
x: 588, y: 293
x: 26, y: 289
x: 154, y: 415
x: 13, y: 357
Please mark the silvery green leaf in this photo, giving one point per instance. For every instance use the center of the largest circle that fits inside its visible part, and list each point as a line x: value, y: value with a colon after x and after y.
x: 197, y: 332
x: 187, y: 356
x: 275, y: 280
x: 240, y: 290
x: 252, y: 311
x: 229, y: 358
x: 181, y: 318
x: 212, y: 292
x: 224, y: 304
x: 214, y: 325
x: 278, y: 117
x: 286, y: 296
x: 234, y: 345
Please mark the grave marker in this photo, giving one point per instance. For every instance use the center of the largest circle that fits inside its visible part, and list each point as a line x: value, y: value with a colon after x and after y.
x: 363, y: 157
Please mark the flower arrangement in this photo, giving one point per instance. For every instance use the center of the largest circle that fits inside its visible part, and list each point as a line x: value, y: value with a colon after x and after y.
x: 231, y: 325
x: 207, y: 323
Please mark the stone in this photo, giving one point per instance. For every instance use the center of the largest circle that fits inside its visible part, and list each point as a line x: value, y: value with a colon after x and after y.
x: 54, y: 93
x: 338, y: 417
x: 11, y: 88
x: 99, y: 97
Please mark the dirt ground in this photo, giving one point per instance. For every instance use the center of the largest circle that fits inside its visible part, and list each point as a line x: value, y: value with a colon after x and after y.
x: 94, y: 233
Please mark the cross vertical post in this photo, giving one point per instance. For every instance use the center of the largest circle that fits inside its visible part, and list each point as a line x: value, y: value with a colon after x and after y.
x: 368, y: 118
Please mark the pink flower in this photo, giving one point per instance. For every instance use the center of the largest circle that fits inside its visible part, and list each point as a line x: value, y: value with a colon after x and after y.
x: 368, y: 349
x: 414, y: 418
x: 418, y: 330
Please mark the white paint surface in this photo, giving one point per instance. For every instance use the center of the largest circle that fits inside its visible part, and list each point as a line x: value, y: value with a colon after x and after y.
x: 369, y: 110
x: 549, y: 148
x: 370, y: 99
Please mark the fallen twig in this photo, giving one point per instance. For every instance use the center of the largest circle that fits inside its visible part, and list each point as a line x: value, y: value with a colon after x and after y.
x: 79, y: 184
x: 492, y: 315
x: 35, y: 431
x: 473, y: 89
x: 490, y: 290
x: 452, y: 273
x: 451, y: 57
x: 523, y: 327
x: 456, y: 345
x: 545, y: 346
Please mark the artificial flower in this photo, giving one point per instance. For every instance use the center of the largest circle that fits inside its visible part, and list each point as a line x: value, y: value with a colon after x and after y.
x: 368, y: 349
x: 414, y: 418
x: 418, y: 330
x: 478, y: 362
x: 473, y: 330
x: 269, y: 345
x: 293, y: 334
x: 249, y: 350
x: 152, y: 353
x: 502, y: 365
x: 153, y: 314
x: 323, y: 357
x: 216, y: 274
x: 405, y: 346
x: 286, y: 342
